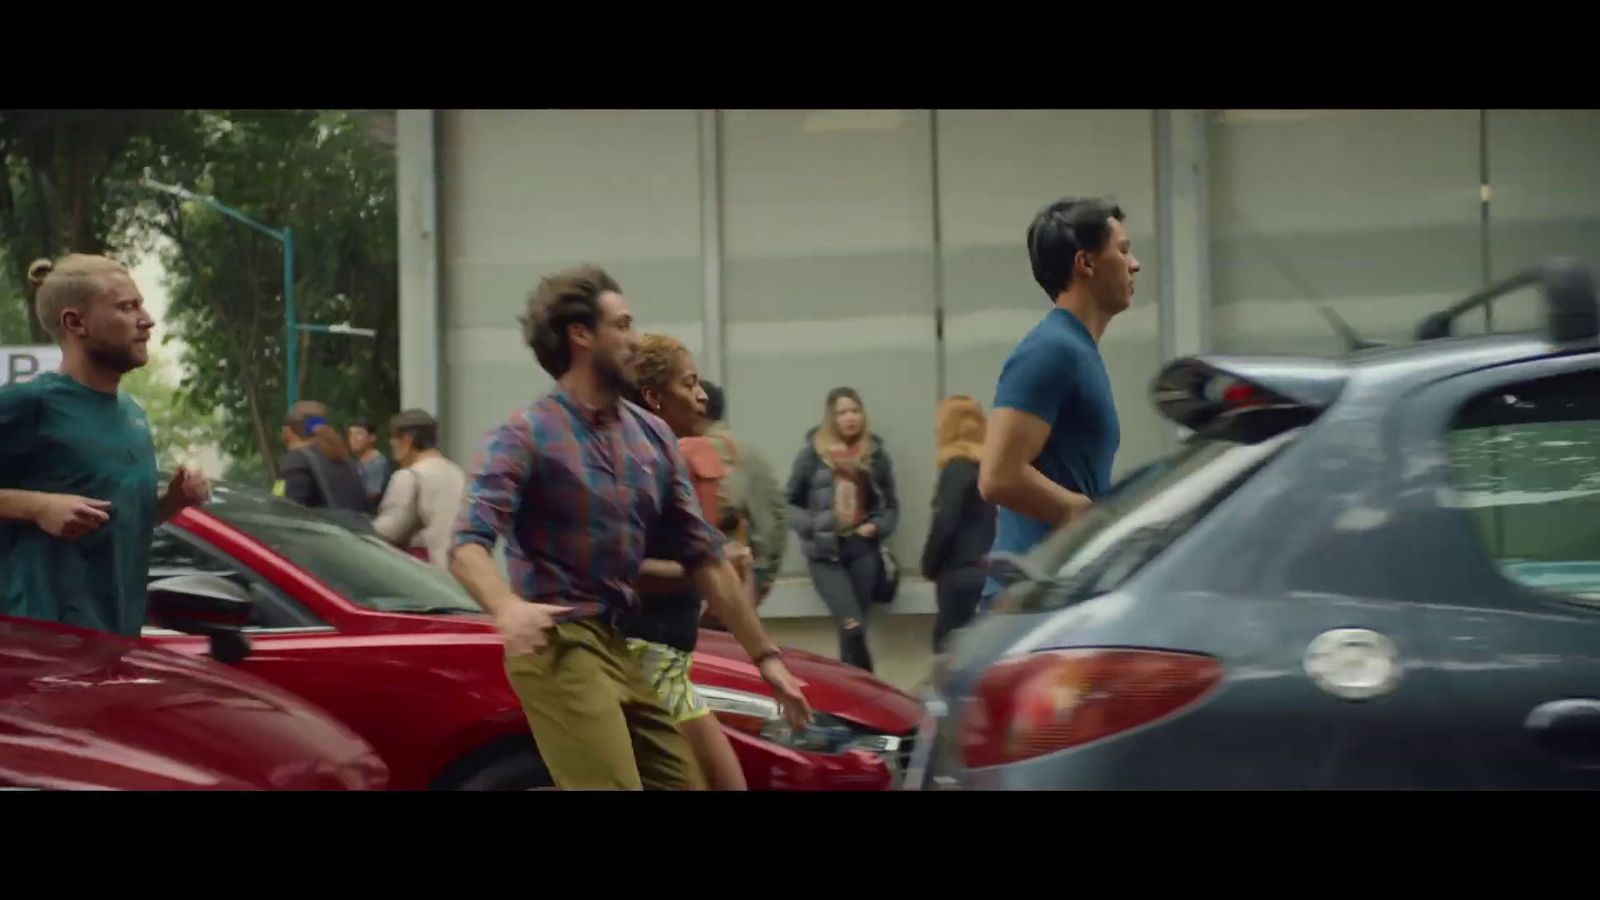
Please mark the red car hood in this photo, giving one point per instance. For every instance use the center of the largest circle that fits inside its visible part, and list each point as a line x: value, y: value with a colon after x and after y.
x: 82, y: 710
x: 831, y: 686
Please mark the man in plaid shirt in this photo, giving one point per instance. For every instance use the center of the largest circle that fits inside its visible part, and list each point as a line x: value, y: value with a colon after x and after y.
x: 578, y: 483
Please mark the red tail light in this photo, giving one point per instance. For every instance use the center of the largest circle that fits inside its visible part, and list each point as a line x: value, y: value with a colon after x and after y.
x: 1043, y: 702
x: 1241, y: 394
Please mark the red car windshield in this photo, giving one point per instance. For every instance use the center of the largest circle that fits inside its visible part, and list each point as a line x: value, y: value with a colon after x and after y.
x: 363, y: 567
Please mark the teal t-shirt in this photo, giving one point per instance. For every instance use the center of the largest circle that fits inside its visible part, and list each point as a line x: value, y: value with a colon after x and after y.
x: 61, y: 437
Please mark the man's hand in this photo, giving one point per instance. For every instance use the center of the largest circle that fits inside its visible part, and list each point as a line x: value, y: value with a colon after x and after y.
x: 738, y: 554
x: 718, y: 584
x: 68, y: 516
x: 523, y: 625
x: 189, y: 487
x: 867, y: 530
x: 796, y: 710
x: 742, y: 560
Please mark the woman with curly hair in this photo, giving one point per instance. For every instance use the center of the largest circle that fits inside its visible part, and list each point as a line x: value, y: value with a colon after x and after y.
x: 664, y: 632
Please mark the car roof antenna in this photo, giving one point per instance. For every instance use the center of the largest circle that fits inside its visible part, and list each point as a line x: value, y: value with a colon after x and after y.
x: 1352, y: 341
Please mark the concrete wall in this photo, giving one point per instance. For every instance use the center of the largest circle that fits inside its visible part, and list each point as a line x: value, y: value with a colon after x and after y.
x: 797, y: 250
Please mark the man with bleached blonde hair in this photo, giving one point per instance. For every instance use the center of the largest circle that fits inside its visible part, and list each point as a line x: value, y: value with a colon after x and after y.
x: 78, y: 489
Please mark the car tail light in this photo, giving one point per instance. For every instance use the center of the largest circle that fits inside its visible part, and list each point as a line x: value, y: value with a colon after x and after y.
x: 1044, y: 702
x: 1240, y: 394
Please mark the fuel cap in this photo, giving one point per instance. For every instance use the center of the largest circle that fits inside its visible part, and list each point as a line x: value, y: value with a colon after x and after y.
x: 1353, y: 663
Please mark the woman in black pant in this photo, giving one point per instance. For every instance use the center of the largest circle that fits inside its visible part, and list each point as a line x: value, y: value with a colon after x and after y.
x: 842, y: 504
x: 963, y: 524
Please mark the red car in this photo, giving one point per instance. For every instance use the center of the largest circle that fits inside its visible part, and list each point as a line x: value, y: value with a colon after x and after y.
x: 80, y: 710
x: 400, y: 653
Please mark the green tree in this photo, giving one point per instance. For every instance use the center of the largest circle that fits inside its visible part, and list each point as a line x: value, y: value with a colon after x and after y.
x: 15, y: 311
x: 176, y: 426
x: 68, y: 184
x: 324, y: 175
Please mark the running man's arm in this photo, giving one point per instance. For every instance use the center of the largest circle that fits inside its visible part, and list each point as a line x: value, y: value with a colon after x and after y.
x: 1007, y: 477
x: 661, y: 576
x: 658, y: 576
x: 1027, y: 400
x: 60, y: 515
x: 493, y: 492
x: 22, y: 506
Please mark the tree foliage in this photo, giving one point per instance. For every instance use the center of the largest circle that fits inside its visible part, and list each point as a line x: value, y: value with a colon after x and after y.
x: 73, y: 181
x: 178, y: 429
x: 69, y: 184
x: 321, y: 175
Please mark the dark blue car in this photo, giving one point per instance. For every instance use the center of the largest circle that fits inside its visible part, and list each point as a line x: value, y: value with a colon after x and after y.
x: 1381, y: 571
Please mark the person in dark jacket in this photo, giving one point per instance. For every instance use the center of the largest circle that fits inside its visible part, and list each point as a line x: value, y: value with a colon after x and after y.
x: 963, y: 523
x: 842, y: 505
x: 318, y: 470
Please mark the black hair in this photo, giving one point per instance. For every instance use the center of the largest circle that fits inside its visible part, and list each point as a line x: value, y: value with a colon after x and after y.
x: 1060, y: 231
x: 716, y: 401
x: 567, y: 298
x: 423, y: 428
x: 364, y: 424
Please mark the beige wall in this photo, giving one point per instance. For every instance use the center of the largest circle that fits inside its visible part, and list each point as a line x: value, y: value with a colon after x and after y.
x: 842, y: 230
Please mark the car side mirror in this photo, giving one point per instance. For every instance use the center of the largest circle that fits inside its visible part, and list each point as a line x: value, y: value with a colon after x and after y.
x: 205, y: 605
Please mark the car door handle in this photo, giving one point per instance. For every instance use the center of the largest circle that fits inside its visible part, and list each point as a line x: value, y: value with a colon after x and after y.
x: 1568, y: 729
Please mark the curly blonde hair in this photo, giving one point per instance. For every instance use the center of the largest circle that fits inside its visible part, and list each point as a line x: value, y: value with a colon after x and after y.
x: 660, y: 359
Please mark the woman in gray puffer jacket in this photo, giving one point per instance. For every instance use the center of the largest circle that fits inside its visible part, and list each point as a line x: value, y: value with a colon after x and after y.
x: 842, y: 503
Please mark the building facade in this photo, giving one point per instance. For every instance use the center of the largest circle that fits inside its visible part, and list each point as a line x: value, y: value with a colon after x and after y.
x: 799, y: 250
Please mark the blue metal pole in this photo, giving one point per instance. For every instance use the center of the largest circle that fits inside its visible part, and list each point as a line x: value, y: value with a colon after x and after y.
x: 291, y: 334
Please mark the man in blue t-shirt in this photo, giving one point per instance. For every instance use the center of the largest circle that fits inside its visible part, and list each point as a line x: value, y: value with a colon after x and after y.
x: 1054, y: 430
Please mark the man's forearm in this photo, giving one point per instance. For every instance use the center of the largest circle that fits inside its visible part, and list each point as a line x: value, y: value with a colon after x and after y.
x: 660, y: 576
x: 1030, y: 493
x: 719, y: 585
x: 21, y: 506
x: 475, y: 569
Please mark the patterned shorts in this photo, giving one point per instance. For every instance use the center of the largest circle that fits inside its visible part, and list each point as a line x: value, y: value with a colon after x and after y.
x: 667, y: 670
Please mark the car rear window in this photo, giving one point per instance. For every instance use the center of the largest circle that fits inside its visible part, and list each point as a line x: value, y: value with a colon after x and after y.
x: 1145, y: 513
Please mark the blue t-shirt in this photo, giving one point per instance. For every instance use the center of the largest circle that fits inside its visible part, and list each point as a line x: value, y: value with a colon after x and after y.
x: 1056, y: 373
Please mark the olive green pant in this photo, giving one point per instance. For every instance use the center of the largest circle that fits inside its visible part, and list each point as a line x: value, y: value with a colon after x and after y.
x: 598, y: 723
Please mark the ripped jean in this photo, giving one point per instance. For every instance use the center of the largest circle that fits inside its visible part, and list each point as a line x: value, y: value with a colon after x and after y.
x: 847, y: 587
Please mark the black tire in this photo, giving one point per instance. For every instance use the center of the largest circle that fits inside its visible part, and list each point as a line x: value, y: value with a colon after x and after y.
x: 512, y: 765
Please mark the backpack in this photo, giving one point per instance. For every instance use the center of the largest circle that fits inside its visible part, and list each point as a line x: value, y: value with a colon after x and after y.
x: 733, y: 513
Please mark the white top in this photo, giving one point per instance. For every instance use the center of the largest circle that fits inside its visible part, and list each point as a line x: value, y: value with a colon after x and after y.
x: 419, y: 508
